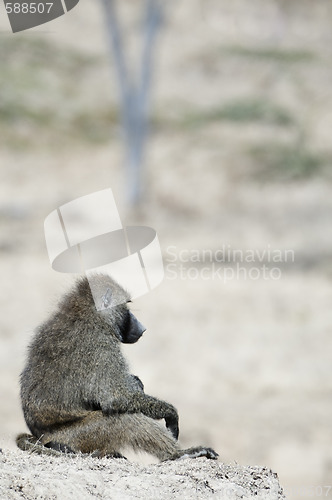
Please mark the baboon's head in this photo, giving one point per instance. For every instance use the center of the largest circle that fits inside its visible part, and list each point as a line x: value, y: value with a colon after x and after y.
x: 110, y: 301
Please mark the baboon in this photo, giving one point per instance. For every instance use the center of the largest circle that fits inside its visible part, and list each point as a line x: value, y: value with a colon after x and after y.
x: 76, y: 390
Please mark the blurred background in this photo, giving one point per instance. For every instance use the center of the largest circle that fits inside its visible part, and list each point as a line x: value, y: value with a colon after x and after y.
x: 239, y: 158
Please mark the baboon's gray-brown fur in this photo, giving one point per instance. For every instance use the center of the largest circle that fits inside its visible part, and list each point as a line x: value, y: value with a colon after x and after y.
x: 76, y: 390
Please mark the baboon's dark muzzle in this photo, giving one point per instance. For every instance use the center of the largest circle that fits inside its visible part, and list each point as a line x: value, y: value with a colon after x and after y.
x: 134, y: 331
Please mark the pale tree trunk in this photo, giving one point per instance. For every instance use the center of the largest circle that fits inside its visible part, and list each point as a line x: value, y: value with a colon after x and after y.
x: 134, y: 92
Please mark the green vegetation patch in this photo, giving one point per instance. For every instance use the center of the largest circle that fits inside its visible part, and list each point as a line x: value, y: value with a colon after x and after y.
x: 244, y: 111
x: 43, y: 95
x: 275, y: 54
x: 278, y: 162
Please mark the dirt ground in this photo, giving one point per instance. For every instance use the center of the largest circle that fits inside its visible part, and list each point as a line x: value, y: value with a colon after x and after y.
x: 32, y: 476
x: 238, y: 187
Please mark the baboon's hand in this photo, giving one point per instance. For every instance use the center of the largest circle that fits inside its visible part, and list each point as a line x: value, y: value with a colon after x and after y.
x: 172, y: 420
x: 158, y: 409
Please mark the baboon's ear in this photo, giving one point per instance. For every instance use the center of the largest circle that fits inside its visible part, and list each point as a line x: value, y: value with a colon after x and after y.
x: 132, y: 329
x: 106, y: 299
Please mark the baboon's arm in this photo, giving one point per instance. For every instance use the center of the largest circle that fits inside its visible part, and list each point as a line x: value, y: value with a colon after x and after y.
x: 138, y: 402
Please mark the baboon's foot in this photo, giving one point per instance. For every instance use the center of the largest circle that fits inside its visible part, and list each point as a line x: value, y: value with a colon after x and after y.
x: 195, y: 452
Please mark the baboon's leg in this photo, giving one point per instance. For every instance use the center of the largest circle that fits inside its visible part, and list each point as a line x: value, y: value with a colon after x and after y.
x: 109, y: 434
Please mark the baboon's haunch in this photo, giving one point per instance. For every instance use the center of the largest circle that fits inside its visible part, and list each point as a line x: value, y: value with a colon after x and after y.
x: 77, y: 393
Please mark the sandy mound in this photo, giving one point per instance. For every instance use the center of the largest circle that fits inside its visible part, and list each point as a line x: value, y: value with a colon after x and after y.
x: 38, y: 477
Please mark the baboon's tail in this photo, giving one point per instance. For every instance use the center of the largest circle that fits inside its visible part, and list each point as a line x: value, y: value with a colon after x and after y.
x: 32, y: 444
x: 27, y: 442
